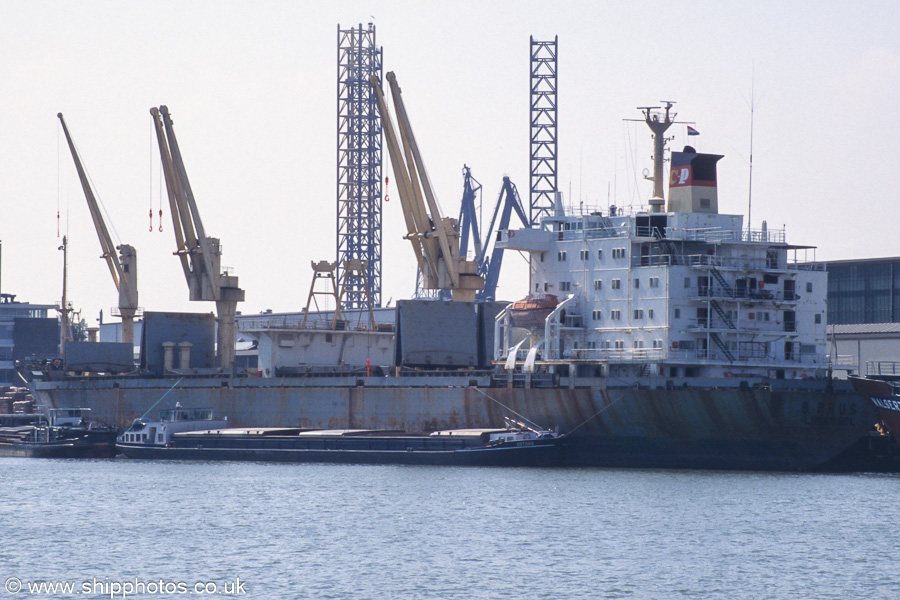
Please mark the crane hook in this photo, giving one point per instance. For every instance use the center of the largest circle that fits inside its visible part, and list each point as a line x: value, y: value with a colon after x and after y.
x: 160, y: 220
x: 151, y: 220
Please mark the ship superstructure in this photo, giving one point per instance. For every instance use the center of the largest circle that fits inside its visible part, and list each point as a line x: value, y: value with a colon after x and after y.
x: 687, y: 293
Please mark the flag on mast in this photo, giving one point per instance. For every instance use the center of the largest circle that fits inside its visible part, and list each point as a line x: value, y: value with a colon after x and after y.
x: 692, y: 131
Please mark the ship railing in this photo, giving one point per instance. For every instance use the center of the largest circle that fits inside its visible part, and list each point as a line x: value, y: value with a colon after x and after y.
x: 727, y: 262
x: 726, y: 234
x: 584, y: 210
x: 703, y: 234
x: 651, y: 231
x: 882, y: 368
x: 749, y: 264
x: 295, y: 322
x: 714, y: 355
x: 186, y: 414
x: 843, y: 361
x: 805, y: 266
x: 655, y: 260
x: 716, y: 292
x: 693, y: 324
x: 766, y: 236
x: 718, y: 325
x: 592, y: 233
x: 616, y: 354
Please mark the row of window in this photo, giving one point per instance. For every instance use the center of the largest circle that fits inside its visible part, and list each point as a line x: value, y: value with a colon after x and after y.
x: 702, y: 313
x: 620, y: 344
x: 616, y: 315
x: 561, y: 255
x: 617, y: 283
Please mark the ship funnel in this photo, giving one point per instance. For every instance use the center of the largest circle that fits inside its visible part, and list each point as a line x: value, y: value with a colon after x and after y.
x: 558, y: 208
x: 692, y: 182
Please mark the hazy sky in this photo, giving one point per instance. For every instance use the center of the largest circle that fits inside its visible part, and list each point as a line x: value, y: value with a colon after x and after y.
x: 252, y: 90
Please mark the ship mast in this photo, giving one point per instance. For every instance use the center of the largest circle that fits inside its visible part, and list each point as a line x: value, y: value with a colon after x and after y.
x: 64, y: 308
x: 659, y: 128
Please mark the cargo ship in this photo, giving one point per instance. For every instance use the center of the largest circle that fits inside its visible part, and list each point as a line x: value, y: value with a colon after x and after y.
x: 667, y: 337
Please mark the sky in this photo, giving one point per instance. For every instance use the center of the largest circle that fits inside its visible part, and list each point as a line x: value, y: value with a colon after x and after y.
x: 252, y: 89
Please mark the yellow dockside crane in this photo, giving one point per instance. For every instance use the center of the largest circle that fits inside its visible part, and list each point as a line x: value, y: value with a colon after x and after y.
x: 200, y: 255
x: 435, y: 238
x: 122, y: 266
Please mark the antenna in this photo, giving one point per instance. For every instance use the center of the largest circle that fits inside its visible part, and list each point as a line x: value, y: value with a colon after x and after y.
x: 750, y: 182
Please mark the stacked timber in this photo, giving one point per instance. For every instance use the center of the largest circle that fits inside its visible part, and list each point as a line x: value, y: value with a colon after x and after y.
x: 16, y: 400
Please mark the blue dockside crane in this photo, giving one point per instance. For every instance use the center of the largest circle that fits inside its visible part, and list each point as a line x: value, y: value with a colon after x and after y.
x: 488, y: 257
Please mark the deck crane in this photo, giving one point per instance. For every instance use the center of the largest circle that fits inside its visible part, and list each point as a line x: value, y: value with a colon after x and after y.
x: 489, y: 265
x: 488, y: 257
x: 435, y: 238
x: 122, y: 266
x: 200, y: 255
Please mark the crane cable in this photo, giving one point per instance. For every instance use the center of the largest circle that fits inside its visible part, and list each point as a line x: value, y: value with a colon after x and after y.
x: 159, y: 187
x: 58, y: 183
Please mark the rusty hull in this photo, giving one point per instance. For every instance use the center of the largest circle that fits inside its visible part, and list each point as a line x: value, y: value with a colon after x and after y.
x: 788, y: 426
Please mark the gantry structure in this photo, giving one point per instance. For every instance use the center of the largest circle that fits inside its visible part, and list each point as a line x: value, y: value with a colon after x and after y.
x: 543, y: 130
x: 359, y: 191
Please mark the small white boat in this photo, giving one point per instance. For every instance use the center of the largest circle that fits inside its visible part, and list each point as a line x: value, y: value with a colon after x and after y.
x: 144, y: 433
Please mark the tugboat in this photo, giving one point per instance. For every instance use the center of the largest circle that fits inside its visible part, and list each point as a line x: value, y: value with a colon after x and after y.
x: 64, y: 433
x: 144, y: 435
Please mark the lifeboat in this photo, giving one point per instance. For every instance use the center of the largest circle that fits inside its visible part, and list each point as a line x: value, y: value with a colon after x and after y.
x: 531, y: 312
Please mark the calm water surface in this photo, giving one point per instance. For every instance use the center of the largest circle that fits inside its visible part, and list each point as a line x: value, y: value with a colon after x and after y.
x: 334, y: 531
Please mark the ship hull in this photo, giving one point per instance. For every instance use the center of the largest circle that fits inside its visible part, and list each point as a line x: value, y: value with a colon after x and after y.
x: 73, y: 448
x: 884, y: 402
x: 787, y: 425
x: 544, y: 455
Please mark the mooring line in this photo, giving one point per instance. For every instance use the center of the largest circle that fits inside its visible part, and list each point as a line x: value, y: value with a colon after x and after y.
x: 161, y: 397
x: 524, y: 418
x: 597, y: 413
x: 605, y: 407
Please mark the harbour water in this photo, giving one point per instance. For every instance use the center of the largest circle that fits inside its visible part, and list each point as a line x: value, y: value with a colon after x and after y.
x: 290, y: 531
